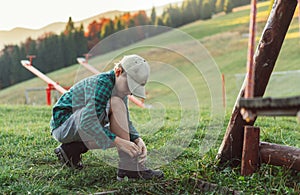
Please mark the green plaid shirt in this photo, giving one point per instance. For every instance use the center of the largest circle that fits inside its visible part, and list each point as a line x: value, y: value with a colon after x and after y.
x: 91, y: 95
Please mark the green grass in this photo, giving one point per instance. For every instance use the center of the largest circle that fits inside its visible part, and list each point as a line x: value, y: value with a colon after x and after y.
x: 28, y: 164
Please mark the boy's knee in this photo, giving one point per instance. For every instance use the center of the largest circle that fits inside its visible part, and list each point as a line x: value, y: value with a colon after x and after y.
x: 116, y: 101
x: 117, y: 105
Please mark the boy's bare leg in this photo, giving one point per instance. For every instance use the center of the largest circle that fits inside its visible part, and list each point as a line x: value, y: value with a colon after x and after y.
x: 118, y: 118
x: 118, y: 121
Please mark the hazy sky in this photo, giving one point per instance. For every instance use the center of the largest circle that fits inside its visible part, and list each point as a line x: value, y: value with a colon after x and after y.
x: 36, y: 14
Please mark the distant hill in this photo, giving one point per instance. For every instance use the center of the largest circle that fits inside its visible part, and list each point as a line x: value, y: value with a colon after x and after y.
x: 18, y: 35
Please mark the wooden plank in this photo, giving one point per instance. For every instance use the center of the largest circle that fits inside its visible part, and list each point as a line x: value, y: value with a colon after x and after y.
x: 269, y: 103
x: 271, y: 106
x: 84, y: 63
x: 265, y: 57
x: 250, y: 155
x: 280, y: 155
x: 42, y: 76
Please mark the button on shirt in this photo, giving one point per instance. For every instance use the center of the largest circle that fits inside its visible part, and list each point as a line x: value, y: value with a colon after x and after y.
x: 91, y: 95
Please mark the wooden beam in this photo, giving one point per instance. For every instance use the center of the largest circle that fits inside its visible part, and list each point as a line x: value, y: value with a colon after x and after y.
x: 271, y: 106
x: 250, y: 155
x: 280, y: 155
x: 42, y: 76
x: 84, y: 63
x: 265, y: 57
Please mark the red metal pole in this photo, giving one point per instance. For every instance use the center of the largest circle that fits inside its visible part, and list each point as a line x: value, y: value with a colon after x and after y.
x: 249, y: 90
x: 251, y: 43
x: 87, y: 55
x: 48, y: 94
x: 30, y: 57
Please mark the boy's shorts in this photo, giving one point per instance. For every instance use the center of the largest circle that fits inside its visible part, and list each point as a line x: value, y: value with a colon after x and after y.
x: 69, y: 130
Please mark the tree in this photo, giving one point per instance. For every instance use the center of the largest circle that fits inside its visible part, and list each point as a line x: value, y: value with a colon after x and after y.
x: 80, y: 41
x: 153, y: 15
x: 69, y: 27
x: 172, y: 16
x: 167, y: 20
x: 213, y: 6
x: 5, y: 62
x: 93, y: 34
x: 107, y: 29
x: 228, y: 6
x: 219, y: 6
x: 159, y: 21
x: 118, y: 24
x: 131, y: 23
x: 187, y: 11
x: 126, y: 17
x: 206, y: 11
x: 140, y: 18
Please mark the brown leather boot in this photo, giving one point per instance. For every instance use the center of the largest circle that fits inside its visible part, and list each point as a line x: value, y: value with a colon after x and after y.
x: 130, y: 168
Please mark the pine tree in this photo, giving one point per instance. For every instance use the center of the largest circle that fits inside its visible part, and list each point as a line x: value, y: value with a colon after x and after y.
x: 153, y: 15
x: 69, y: 27
x: 80, y: 41
x: 131, y: 23
x: 159, y: 21
x: 187, y: 11
x: 228, y: 6
x: 118, y: 24
x: 206, y: 12
x: 5, y: 68
x: 219, y: 6
x: 107, y: 29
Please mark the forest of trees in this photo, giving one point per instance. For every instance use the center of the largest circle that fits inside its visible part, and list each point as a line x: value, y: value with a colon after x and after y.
x: 58, y: 51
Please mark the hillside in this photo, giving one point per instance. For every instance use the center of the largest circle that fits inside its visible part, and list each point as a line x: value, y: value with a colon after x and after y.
x: 223, y: 37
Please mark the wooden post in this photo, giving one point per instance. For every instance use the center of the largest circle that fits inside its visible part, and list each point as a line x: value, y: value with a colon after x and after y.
x: 280, y: 155
x: 265, y: 57
x: 250, y: 155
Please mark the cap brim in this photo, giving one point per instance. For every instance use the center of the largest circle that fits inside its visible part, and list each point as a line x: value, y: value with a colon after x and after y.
x: 135, y: 88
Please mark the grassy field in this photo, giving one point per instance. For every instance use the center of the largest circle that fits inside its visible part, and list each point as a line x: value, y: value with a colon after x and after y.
x: 28, y: 165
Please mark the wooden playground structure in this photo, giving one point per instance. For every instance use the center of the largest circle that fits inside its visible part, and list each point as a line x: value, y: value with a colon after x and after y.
x: 241, y: 143
x: 52, y: 85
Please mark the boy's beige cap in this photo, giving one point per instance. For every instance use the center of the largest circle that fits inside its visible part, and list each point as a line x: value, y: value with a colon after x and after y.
x: 138, y: 71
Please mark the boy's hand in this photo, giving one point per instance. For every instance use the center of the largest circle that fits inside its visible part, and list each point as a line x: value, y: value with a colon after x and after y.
x: 143, y: 150
x: 127, y: 146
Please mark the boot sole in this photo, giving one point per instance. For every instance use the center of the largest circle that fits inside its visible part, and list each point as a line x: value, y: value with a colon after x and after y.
x: 62, y: 156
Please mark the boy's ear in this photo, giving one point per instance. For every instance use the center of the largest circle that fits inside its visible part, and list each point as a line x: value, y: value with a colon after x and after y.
x: 118, y: 71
